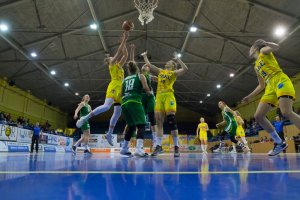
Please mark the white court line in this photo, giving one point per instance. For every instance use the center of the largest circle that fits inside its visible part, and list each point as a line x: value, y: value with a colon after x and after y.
x: 149, y: 172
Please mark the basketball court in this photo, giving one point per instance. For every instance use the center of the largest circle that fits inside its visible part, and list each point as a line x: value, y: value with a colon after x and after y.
x: 58, y: 57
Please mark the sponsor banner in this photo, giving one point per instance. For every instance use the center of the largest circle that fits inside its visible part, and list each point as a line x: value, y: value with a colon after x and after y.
x: 100, y: 150
x: 8, y: 133
x: 52, y: 139
x: 69, y: 143
x: 48, y: 148
x: 166, y: 143
x: 3, y: 146
x: 24, y: 135
x: 193, y: 144
x: 41, y: 147
x: 104, y: 144
x: 94, y: 140
x: 183, y: 146
x: 43, y: 138
x: 60, y: 149
x: 17, y: 147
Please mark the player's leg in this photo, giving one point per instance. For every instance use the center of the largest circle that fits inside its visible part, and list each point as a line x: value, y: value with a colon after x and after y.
x: 140, y: 140
x: 286, y: 108
x: 260, y: 116
x: 100, y: 109
x: 128, y: 134
x: 151, y: 116
x: 170, y: 109
x: 86, y: 136
x: 159, y: 118
x: 113, y: 121
x: 77, y: 143
x: 37, y: 144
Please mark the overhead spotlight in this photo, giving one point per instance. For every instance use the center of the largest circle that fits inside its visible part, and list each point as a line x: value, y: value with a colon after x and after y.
x: 179, y: 55
x: 231, y: 75
x: 33, y: 54
x: 76, y: 93
x: 3, y: 27
x: 208, y: 95
x: 193, y: 29
x: 93, y: 26
x: 279, y: 31
x: 66, y: 84
x: 53, y: 72
x: 200, y: 101
x: 218, y: 86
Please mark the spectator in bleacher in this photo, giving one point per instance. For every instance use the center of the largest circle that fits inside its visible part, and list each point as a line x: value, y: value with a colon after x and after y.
x: 35, y: 137
x: 2, y: 118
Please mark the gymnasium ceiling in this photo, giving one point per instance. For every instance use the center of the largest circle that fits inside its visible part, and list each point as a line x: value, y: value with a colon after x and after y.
x: 59, y: 32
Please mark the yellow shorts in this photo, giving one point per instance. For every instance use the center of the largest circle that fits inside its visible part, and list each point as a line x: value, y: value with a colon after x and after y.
x: 114, y: 91
x: 240, y: 132
x: 203, y: 136
x: 165, y: 102
x: 279, y: 85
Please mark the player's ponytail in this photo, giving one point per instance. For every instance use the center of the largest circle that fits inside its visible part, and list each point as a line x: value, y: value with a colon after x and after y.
x: 132, y: 67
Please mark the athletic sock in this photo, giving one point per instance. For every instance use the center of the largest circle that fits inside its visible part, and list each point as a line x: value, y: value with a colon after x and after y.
x: 154, y: 137
x: 233, y: 147
x: 175, y: 140
x: 205, y: 147
x: 158, y: 141
x: 244, y: 140
x: 139, y: 143
x: 276, y: 137
x: 202, y: 147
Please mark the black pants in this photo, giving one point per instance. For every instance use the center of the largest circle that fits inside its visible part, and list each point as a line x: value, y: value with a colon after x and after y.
x: 35, y: 138
x: 281, y: 135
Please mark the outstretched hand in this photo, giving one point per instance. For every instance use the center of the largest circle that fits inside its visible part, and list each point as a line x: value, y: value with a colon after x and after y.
x: 132, y: 46
x: 144, y: 54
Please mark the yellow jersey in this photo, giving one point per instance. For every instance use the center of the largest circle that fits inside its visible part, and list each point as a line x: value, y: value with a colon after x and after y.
x: 202, y: 127
x: 267, y: 66
x: 116, y: 72
x: 166, y: 80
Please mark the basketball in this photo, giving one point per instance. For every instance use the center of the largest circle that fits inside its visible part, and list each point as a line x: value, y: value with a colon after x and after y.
x: 127, y: 25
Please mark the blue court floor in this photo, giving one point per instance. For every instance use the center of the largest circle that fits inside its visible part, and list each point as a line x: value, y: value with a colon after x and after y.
x: 110, y: 176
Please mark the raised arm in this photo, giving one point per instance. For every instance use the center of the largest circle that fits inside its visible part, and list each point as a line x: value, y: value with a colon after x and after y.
x: 124, y: 57
x: 132, y: 52
x: 78, y: 109
x: 152, y: 67
x: 144, y: 84
x: 257, y: 90
x: 154, y: 78
x: 120, y: 49
x: 183, y: 69
x: 269, y: 47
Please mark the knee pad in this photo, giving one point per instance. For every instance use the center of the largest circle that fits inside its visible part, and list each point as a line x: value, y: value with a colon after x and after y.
x: 129, y: 132
x: 152, y: 118
x: 140, y: 131
x: 172, y: 122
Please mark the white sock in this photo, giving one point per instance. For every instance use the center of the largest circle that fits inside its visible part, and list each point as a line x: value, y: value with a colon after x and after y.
x: 233, y: 147
x: 175, y: 140
x: 125, y: 144
x: 202, y: 147
x: 154, y: 138
x: 205, y: 147
x: 276, y: 137
x: 139, y: 143
x: 158, y: 141
x: 244, y: 140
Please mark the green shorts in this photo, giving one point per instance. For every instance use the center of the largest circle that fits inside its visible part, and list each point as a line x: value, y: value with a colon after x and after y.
x: 148, y: 102
x: 231, y: 129
x: 134, y: 113
x: 85, y: 126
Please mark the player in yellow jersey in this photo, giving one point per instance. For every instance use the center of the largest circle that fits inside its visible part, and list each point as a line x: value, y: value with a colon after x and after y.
x: 240, y: 132
x: 113, y: 93
x: 202, y: 130
x: 279, y: 90
x: 165, y: 103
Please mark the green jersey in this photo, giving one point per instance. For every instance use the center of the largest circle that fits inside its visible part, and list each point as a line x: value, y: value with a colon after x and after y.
x: 132, y: 89
x: 85, y: 110
x: 228, y: 116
